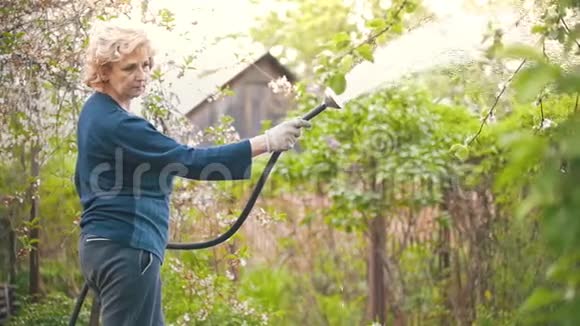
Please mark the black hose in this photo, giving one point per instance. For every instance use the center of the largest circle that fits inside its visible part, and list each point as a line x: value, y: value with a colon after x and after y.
x: 79, y: 304
x: 239, y: 221
x: 226, y: 235
x: 249, y: 205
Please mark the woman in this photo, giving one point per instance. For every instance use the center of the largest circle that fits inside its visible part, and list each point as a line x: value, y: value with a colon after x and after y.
x: 124, y: 173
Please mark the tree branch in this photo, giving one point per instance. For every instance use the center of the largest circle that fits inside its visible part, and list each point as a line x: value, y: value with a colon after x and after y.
x: 490, y: 112
x: 568, y: 31
x: 373, y: 37
x: 541, y: 100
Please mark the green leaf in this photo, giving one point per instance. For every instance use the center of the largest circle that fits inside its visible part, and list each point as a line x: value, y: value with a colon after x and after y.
x: 341, y: 40
x: 341, y: 37
x: 376, y: 24
x: 397, y: 28
x: 569, y: 83
x: 157, y: 75
x: 338, y: 83
x: 346, y: 63
x: 539, y: 29
x: 460, y: 151
x: 520, y: 51
x: 541, y: 298
x: 366, y: 52
x: 410, y: 7
x: 531, y: 81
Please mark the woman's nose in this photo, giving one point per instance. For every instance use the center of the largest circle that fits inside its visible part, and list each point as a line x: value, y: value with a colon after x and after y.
x: 141, y: 74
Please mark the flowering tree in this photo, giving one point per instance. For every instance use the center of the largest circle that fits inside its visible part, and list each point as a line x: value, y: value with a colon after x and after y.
x: 40, y: 55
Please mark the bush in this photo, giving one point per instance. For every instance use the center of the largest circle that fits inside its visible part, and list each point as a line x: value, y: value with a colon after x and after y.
x: 53, y: 310
x: 195, y: 295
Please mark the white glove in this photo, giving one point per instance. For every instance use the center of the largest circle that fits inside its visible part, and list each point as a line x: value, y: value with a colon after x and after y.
x: 283, y: 136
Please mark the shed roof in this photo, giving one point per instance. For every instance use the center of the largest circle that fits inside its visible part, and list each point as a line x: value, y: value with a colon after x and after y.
x: 219, y: 78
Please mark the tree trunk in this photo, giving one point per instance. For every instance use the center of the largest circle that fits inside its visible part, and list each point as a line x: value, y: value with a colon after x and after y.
x: 232, y: 265
x: 11, y: 245
x: 375, y: 273
x: 34, y: 279
x: 4, y: 228
x: 445, y: 260
x: 12, y: 254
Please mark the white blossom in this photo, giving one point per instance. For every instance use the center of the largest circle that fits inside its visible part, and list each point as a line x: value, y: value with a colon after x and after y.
x: 281, y: 86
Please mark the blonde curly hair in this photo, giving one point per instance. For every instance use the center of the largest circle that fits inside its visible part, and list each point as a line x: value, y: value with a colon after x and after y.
x: 110, y: 43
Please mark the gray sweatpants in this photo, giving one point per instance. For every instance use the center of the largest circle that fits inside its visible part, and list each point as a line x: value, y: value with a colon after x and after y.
x: 126, y: 280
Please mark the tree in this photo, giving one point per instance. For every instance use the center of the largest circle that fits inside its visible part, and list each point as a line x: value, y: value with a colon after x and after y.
x: 40, y: 54
x: 551, y: 193
x: 327, y: 54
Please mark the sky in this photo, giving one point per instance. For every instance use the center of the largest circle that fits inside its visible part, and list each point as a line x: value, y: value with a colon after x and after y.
x: 454, y: 36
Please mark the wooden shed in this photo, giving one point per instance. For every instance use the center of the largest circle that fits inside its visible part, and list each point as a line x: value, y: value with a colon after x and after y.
x: 249, y: 99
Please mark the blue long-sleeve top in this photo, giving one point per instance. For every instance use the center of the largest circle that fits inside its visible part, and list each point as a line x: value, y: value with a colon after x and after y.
x: 125, y: 170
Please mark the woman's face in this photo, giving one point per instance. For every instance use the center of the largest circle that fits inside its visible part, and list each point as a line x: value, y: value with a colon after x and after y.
x: 127, y: 78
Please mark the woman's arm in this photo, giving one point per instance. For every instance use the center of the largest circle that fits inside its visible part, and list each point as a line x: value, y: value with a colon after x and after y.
x: 139, y: 142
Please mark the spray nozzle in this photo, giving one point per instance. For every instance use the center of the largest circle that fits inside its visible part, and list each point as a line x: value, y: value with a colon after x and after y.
x: 332, y: 100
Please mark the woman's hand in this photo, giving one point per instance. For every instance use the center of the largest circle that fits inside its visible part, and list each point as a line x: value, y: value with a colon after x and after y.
x: 280, y: 138
x: 283, y: 136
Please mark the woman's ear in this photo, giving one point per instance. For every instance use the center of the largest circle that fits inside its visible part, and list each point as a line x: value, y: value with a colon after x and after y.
x: 104, y: 72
